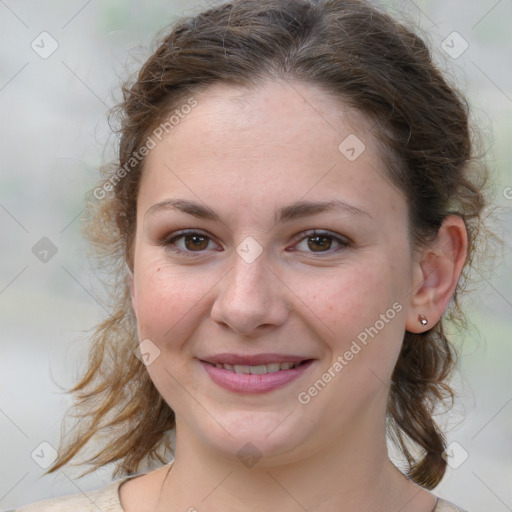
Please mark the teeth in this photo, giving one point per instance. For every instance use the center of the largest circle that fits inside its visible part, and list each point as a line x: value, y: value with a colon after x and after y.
x: 257, y: 370
x: 242, y: 369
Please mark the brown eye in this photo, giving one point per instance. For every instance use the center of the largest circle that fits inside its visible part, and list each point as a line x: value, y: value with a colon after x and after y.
x: 187, y: 242
x: 195, y: 242
x: 322, y: 242
x: 319, y: 243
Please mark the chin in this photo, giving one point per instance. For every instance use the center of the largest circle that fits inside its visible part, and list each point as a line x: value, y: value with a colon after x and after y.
x: 265, y: 437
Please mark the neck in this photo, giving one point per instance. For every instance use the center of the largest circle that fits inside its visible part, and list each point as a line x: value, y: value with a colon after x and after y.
x: 352, y: 473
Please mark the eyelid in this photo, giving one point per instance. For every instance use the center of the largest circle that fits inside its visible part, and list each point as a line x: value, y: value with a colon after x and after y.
x: 322, y: 232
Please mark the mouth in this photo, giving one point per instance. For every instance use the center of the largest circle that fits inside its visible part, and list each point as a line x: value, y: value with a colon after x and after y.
x: 255, y: 374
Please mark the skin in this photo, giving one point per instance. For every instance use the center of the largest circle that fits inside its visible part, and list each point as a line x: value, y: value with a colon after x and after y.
x: 245, y: 154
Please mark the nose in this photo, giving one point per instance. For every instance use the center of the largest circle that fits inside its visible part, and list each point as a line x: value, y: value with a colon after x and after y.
x: 251, y: 297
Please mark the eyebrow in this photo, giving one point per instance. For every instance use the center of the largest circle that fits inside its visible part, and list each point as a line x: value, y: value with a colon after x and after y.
x: 292, y: 211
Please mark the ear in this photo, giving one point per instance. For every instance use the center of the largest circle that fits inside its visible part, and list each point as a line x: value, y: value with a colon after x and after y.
x: 436, y: 272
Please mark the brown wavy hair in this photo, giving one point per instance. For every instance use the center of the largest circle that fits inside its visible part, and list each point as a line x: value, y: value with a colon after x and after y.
x: 366, y: 59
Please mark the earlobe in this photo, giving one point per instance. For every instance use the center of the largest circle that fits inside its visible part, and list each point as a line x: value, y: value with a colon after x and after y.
x: 438, y: 270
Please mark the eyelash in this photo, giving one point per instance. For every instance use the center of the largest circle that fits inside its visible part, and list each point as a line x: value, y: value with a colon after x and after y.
x: 168, y: 242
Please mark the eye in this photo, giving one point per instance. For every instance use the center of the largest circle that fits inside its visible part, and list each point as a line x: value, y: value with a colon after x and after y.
x: 191, y: 241
x: 186, y: 242
x: 322, y: 241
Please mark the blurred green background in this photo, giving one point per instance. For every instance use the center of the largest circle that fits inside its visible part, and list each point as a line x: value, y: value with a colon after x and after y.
x: 55, y: 137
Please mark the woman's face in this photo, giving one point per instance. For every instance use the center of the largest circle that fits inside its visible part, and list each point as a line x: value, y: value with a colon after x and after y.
x: 253, y: 287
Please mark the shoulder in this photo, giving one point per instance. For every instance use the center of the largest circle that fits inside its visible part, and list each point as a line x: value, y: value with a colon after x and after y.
x: 105, y: 499
x: 446, y: 506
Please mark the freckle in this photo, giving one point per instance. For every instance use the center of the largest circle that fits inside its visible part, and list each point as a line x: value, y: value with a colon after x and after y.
x: 158, y: 269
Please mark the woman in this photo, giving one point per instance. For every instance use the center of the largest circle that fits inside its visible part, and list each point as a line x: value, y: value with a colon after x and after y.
x: 294, y: 211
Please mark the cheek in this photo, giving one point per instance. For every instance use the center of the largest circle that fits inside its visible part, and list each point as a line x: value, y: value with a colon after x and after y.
x: 360, y: 313
x: 349, y: 299
x: 169, y: 300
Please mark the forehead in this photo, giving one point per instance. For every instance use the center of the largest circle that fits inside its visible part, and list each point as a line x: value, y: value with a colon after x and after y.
x: 279, y: 141
x: 292, y: 114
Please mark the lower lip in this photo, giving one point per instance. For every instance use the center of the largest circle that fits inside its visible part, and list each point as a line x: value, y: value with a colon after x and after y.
x: 248, y: 383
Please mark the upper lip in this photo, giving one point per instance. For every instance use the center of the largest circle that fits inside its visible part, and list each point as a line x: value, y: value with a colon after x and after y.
x: 253, y: 359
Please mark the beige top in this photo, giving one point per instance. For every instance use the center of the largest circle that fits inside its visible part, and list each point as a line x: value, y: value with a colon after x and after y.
x: 107, y: 499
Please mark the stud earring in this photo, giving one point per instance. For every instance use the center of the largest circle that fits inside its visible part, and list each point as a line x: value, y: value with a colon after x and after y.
x: 422, y: 319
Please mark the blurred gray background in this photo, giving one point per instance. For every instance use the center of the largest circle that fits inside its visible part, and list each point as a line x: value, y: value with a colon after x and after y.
x: 61, y: 63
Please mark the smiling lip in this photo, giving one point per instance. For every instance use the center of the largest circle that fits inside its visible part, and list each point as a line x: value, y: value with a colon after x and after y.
x: 249, y: 381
